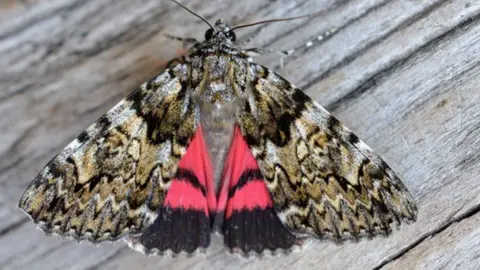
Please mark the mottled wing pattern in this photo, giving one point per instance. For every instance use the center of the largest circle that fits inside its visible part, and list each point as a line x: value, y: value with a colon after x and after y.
x: 323, y: 180
x: 113, y: 177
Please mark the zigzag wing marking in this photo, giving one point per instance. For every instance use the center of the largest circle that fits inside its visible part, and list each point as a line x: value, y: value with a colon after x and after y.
x: 324, y: 181
x: 111, y: 179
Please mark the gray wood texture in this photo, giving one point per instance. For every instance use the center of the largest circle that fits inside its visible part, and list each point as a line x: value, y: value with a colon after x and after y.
x: 403, y: 75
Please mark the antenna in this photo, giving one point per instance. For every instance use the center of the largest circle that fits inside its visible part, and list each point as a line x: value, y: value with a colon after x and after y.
x: 197, y: 15
x: 275, y: 20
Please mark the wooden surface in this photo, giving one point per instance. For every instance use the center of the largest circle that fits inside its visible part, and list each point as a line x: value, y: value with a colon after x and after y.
x: 404, y: 75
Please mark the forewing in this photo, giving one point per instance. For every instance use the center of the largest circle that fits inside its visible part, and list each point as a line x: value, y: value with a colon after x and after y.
x: 112, y: 178
x: 323, y: 180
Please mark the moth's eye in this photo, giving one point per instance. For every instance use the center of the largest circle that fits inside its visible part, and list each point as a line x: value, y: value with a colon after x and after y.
x: 209, y: 34
x: 231, y: 35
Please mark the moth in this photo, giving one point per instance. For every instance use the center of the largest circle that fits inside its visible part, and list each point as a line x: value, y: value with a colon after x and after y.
x: 284, y: 170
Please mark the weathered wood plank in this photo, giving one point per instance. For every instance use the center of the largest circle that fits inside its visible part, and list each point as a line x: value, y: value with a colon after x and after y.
x: 440, y: 251
x: 404, y: 75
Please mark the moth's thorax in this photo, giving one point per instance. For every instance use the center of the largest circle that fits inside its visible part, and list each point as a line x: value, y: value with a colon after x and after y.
x: 216, y: 85
x: 222, y: 46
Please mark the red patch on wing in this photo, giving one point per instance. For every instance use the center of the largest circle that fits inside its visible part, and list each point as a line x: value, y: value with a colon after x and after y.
x: 243, y: 187
x: 192, y: 186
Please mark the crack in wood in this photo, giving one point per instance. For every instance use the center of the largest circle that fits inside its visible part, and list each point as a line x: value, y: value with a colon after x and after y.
x: 344, y: 61
x: 101, y: 263
x: 278, y: 37
x: 12, y: 148
x: 395, y: 65
x: 14, y: 226
x: 469, y: 213
x: 45, y: 16
x: 349, y: 58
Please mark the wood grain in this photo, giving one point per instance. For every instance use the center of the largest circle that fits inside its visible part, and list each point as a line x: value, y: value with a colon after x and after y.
x: 403, y: 75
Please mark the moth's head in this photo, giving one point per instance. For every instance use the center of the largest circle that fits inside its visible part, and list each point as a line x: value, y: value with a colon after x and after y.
x: 221, y: 31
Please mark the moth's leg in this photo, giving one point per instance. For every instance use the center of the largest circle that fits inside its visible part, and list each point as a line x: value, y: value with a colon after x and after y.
x: 186, y: 42
x: 319, y: 39
x: 245, y: 42
x: 284, y: 54
x: 264, y: 51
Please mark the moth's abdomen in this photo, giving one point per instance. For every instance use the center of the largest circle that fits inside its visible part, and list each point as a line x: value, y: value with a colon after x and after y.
x: 218, y: 121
